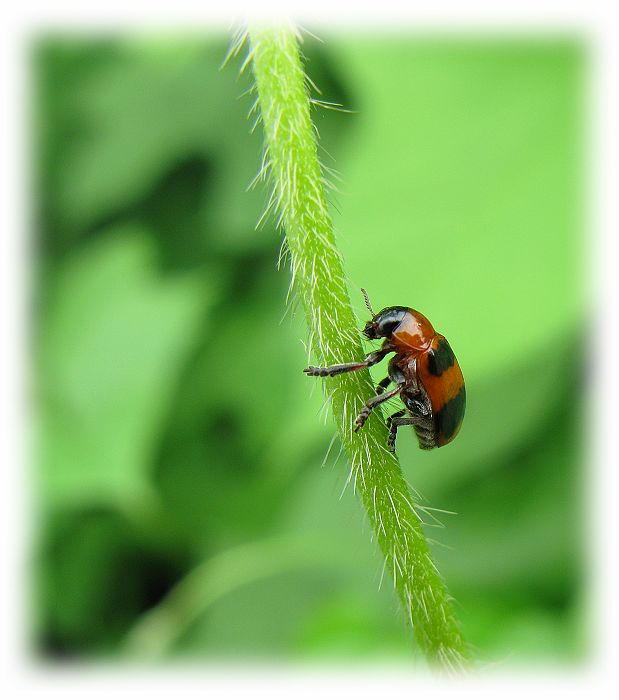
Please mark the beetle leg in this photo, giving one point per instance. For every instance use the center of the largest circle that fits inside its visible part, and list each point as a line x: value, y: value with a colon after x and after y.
x: 394, y: 423
x: 372, y: 403
x: 382, y: 385
x: 421, y: 417
x: 398, y: 414
x: 371, y: 359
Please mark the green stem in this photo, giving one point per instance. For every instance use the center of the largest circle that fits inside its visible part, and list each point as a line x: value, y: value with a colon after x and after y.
x: 299, y: 200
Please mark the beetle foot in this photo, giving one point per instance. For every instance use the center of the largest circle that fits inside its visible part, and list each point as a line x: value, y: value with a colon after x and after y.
x: 360, y: 420
x: 316, y: 371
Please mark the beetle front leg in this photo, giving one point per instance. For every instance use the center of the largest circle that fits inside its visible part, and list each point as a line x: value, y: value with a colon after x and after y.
x: 371, y: 359
x: 371, y: 405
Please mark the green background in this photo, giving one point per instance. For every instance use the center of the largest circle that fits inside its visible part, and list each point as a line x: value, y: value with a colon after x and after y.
x: 184, y: 505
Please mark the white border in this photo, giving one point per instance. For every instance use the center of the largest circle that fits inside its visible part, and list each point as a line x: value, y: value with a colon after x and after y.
x: 598, y: 21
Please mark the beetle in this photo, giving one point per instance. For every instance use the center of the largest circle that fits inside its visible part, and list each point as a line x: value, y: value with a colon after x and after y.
x: 425, y: 372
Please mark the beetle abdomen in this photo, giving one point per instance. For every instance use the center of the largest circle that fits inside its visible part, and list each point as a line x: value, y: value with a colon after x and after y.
x: 426, y: 437
x: 439, y: 373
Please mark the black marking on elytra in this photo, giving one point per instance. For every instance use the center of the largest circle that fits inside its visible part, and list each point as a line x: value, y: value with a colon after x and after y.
x: 450, y: 415
x: 440, y: 359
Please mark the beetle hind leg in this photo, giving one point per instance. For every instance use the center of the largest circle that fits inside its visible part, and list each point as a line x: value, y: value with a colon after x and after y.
x: 394, y: 424
x: 422, y: 425
x: 393, y: 430
x: 393, y: 417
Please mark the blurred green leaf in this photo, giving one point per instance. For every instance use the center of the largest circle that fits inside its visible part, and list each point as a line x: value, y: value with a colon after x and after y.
x: 97, y: 575
x: 112, y: 345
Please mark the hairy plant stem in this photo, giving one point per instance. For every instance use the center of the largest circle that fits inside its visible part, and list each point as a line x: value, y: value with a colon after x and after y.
x: 298, y: 198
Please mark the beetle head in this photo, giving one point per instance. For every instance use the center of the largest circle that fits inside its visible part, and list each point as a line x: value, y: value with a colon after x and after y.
x: 385, y: 322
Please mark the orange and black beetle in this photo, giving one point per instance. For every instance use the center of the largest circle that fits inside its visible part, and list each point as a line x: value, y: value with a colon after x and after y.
x: 424, y: 369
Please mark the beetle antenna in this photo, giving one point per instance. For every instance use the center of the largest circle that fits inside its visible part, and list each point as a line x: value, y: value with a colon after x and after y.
x: 367, y: 301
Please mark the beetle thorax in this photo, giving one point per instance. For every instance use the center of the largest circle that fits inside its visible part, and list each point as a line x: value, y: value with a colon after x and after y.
x: 414, y: 333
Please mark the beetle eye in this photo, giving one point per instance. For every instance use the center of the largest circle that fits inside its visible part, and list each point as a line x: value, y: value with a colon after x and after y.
x: 387, y: 328
x: 370, y: 330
